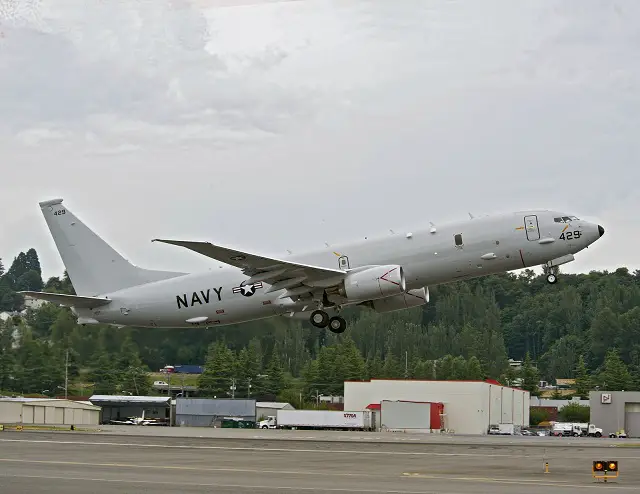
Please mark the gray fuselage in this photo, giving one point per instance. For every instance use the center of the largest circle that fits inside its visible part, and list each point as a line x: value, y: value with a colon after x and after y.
x: 432, y: 256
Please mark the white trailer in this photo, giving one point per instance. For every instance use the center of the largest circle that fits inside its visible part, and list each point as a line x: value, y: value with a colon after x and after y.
x: 323, y: 419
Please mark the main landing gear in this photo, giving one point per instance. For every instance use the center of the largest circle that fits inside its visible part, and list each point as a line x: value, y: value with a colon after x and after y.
x: 320, y: 319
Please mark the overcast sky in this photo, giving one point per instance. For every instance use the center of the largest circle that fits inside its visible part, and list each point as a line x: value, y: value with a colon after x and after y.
x: 281, y: 125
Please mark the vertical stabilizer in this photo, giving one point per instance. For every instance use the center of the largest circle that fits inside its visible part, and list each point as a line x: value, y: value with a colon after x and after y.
x: 94, y: 267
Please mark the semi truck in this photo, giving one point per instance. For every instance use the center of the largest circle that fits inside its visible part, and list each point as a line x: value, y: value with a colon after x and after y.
x: 318, y: 419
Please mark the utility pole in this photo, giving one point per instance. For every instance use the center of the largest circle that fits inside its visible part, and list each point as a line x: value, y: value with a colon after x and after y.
x: 406, y: 364
x: 66, y: 375
x: 248, y: 387
x: 233, y: 388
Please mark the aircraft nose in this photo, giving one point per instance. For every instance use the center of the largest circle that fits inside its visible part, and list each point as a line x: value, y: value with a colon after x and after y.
x: 600, y: 230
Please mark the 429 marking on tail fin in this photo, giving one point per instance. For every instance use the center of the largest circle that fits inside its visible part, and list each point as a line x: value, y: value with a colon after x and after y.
x: 59, y: 212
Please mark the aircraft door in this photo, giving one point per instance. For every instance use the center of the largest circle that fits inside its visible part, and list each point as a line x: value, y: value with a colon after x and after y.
x: 343, y: 262
x: 531, y: 227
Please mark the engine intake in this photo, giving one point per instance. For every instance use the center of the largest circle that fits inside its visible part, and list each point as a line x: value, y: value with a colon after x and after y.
x: 374, y: 283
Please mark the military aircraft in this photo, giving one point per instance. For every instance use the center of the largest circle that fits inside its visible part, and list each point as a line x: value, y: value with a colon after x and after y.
x: 387, y: 273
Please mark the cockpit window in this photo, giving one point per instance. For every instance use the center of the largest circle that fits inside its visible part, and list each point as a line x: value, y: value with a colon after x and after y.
x: 566, y: 219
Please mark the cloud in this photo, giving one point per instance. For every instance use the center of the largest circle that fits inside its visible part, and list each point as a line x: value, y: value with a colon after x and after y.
x: 273, y: 125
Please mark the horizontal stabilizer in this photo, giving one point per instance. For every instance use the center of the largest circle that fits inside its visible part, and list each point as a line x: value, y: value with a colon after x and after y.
x: 69, y: 300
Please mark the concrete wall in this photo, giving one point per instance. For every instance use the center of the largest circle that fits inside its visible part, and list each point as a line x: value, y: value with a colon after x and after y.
x: 623, y: 411
x: 470, y: 407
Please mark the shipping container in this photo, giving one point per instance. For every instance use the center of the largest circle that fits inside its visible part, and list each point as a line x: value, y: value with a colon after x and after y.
x: 188, y: 369
x: 323, y: 419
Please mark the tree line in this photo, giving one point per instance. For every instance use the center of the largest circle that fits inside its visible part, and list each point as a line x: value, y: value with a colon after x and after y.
x: 587, y: 327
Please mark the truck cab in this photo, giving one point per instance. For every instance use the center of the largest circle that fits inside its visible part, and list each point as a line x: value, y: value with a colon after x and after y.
x: 269, y: 423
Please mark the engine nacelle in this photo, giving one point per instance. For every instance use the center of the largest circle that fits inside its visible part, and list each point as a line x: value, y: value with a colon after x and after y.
x: 374, y: 283
x: 412, y: 298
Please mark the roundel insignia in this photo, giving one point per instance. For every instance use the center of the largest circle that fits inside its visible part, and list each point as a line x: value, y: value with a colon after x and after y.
x: 238, y: 258
x: 248, y: 290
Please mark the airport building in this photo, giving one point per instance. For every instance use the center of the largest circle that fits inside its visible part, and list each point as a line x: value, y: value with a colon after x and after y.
x: 118, y: 408
x: 462, y: 407
x: 266, y: 409
x: 210, y: 412
x: 613, y: 411
x: 48, y: 411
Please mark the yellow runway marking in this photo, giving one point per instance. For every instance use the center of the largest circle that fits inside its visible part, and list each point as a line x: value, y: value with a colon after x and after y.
x: 259, y: 487
x: 186, y: 468
x: 532, y: 482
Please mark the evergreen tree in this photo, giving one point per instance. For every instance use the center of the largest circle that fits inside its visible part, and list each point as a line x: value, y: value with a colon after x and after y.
x: 473, y: 369
x: 615, y: 375
x: 583, y: 381
x: 275, y: 374
x: 530, y: 376
x: 217, y: 377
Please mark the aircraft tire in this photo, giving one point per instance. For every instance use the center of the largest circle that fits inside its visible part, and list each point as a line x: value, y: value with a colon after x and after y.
x: 319, y: 319
x: 552, y: 278
x: 337, y: 325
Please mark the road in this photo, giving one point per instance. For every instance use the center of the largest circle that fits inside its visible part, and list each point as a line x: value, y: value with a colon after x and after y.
x: 77, y: 463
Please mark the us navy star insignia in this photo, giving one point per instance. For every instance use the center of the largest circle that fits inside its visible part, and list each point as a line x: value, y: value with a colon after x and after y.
x: 247, y: 290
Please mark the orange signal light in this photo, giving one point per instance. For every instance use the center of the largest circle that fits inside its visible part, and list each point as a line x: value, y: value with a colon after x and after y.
x: 598, y: 466
x: 613, y: 466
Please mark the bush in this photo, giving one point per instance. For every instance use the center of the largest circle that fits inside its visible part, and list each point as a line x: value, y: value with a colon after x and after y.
x: 574, y: 412
x: 537, y: 415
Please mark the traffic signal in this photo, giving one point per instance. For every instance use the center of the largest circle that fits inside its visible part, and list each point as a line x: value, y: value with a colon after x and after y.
x: 605, y: 469
x: 605, y: 466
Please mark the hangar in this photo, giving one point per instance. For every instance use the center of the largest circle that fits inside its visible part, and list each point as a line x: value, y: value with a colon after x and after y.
x: 47, y: 411
x: 463, y: 407
x: 266, y: 409
x: 614, y: 411
x: 122, y: 407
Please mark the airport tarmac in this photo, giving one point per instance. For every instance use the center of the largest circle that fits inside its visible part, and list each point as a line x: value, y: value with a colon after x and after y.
x: 76, y: 463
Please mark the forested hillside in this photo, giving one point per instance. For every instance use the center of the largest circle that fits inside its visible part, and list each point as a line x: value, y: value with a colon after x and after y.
x: 585, y: 326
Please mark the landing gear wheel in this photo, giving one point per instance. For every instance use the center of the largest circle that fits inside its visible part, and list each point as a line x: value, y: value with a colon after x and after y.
x: 319, y: 318
x: 552, y: 278
x: 337, y: 325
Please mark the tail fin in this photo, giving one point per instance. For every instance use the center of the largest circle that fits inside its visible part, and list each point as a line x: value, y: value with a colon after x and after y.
x: 94, y: 267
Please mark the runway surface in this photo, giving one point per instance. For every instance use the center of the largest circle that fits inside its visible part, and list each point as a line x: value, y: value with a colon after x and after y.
x: 77, y: 463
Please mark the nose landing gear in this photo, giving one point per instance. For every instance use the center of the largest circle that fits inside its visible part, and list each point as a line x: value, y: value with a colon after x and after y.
x: 552, y: 273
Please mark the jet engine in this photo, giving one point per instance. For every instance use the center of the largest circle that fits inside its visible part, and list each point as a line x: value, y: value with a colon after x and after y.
x: 412, y: 298
x: 374, y: 283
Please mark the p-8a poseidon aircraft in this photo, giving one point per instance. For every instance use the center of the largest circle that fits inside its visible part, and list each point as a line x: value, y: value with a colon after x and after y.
x: 388, y: 273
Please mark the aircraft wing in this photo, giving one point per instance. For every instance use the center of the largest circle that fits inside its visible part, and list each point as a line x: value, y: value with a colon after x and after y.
x: 69, y: 300
x: 277, y: 272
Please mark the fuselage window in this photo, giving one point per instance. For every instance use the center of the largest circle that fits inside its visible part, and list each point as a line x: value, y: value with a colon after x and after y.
x: 458, y: 239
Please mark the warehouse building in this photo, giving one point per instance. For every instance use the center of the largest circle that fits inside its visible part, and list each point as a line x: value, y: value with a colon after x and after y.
x: 613, y: 411
x: 47, y: 411
x: 463, y: 407
x: 119, y: 408
x: 205, y: 412
x: 266, y: 409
